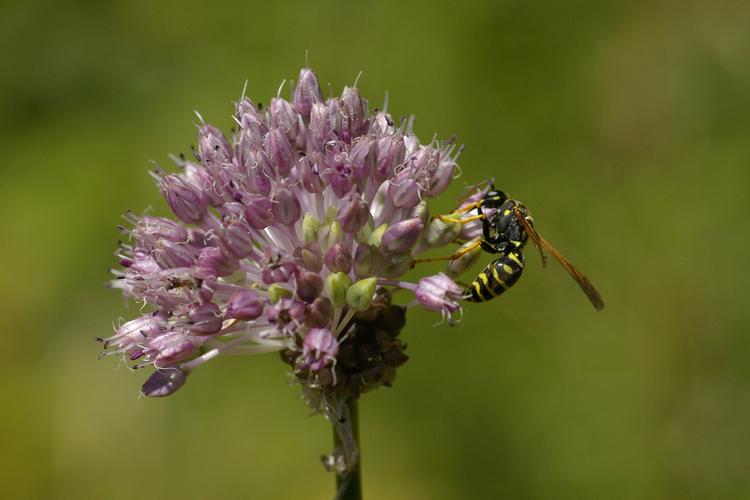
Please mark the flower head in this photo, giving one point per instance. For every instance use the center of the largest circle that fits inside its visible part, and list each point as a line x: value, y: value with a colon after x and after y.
x: 287, y: 236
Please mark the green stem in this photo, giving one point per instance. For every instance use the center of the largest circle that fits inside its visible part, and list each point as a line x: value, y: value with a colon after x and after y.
x: 349, y: 485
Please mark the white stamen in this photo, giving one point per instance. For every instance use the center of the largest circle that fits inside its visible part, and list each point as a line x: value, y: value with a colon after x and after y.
x: 244, y: 89
x: 344, y: 322
x: 356, y: 80
x: 278, y: 92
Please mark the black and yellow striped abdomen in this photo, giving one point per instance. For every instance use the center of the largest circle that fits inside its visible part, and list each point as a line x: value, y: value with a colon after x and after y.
x: 497, y: 277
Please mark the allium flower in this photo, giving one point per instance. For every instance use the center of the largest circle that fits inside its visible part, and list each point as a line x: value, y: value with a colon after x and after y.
x: 439, y: 293
x: 289, y: 236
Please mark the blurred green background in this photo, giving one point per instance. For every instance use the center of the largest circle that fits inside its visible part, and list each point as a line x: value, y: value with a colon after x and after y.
x: 623, y: 125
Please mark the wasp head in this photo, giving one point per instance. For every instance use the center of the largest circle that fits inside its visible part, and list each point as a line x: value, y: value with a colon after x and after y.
x: 494, y: 198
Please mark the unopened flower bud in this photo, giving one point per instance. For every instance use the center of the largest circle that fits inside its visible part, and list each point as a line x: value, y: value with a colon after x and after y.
x: 338, y: 258
x: 394, y: 265
x: 391, y: 152
x: 364, y: 260
x: 163, y: 382
x: 284, y: 117
x: 363, y: 158
x: 171, y: 347
x: 169, y: 254
x: 420, y: 211
x: 309, y: 174
x: 277, y: 292
x: 249, y: 148
x: 245, y: 305
x: 354, y: 112
x: 213, y: 262
x: 159, y: 227
x: 457, y: 266
x: 213, y: 148
x: 251, y: 119
x: 400, y: 237
x: 309, y: 286
x: 258, y: 211
x: 259, y: 174
x: 206, y: 319
x: 279, y: 151
x: 236, y: 240
x: 320, y: 130
x: 364, y: 233
x: 404, y: 193
x: 354, y: 213
x: 376, y: 236
x: 247, y: 145
x: 311, y: 257
x: 471, y: 230
x: 185, y: 202
x: 198, y: 178
x: 359, y: 296
x: 442, y: 177
x: 320, y: 312
x: 335, y: 233
x: 307, y: 92
x: 310, y: 226
x: 286, y: 208
x: 142, y: 262
x: 336, y: 286
x: 132, y: 332
x: 440, y: 232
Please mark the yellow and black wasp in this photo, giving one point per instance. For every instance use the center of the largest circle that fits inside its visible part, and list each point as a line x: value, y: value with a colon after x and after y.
x: 505, y: 231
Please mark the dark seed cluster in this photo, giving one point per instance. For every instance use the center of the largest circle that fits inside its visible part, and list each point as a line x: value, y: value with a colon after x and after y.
x: 368, y: 357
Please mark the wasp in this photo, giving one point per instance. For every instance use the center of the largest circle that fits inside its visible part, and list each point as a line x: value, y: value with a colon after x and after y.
x: 505, y: 232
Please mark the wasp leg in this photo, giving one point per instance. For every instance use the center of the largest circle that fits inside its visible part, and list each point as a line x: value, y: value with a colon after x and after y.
x: 462, y: 220
x: 452, y: 257
x: 469, y: 207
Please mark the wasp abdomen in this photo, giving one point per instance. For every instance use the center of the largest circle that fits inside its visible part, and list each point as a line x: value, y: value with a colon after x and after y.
x: 497, y: 277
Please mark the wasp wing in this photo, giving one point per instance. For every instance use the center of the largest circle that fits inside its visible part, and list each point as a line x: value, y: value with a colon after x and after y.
x: 535, y: 237
x: 592, y: 293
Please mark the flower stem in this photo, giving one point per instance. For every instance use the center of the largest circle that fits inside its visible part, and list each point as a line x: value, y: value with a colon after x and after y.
x: 349, y: 484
